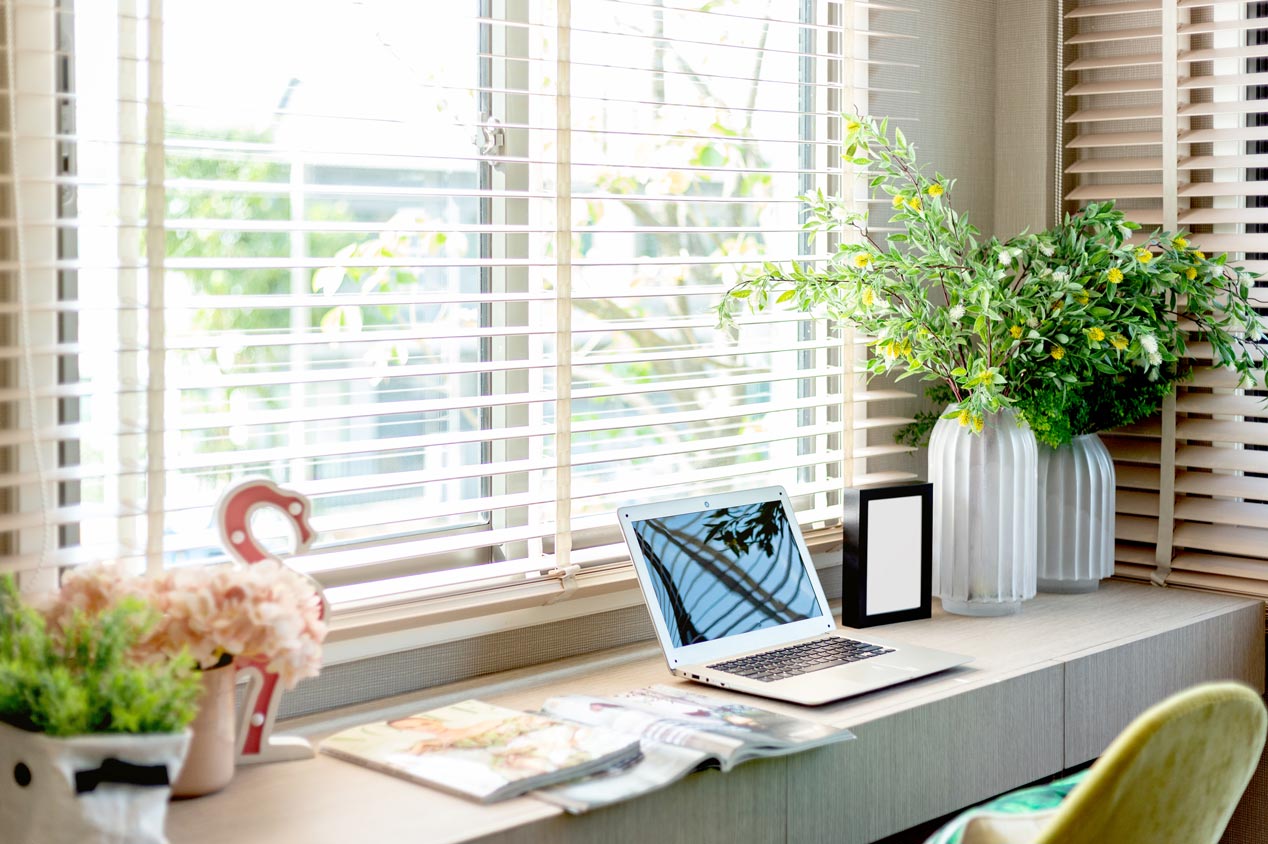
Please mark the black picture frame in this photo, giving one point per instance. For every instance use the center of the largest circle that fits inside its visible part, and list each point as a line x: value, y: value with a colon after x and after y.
x: 902, y: 589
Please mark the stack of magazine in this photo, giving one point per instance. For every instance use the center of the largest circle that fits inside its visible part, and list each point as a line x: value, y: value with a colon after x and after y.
x: 579, y: 752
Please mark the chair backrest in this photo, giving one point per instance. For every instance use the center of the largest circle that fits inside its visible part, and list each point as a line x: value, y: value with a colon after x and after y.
x: 1173, y: 776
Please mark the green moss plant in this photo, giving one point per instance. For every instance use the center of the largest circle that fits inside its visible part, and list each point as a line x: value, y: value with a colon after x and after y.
x: 82, y: 678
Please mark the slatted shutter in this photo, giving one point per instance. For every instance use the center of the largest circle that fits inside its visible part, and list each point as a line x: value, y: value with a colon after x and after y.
x: 447, y: 269
x: 1164, y: 111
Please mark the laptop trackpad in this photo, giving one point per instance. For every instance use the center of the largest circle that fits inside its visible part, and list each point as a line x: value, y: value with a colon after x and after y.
x: 870, y: 676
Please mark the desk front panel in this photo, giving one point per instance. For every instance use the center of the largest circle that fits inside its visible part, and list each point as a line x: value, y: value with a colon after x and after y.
x: 924, y: 762
x: 1106, y: 687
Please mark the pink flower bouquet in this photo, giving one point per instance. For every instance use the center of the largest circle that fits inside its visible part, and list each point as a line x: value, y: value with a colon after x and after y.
x: 264, y: 610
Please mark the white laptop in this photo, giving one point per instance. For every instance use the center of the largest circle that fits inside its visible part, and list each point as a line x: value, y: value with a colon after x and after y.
x: 737, y: 603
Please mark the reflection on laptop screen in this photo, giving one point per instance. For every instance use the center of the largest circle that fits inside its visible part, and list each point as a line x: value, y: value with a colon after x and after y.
x: 724, y: 572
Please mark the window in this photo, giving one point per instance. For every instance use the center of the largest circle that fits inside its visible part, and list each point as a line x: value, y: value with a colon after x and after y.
x: 446, y: 268
x: 1166, y: 111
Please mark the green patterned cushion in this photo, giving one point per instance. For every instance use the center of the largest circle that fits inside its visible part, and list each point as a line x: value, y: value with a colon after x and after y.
x: 1026, y: 801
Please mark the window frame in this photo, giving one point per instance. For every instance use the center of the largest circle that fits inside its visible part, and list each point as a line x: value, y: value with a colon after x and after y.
x: 489, y: 597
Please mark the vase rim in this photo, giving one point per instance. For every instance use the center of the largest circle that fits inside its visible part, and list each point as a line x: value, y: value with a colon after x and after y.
x: 1095, y: 435
x: 226, y: 660
x: 1007, y: 413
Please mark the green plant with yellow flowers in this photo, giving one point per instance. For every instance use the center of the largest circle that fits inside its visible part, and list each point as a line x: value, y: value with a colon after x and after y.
x: 1039, y: 322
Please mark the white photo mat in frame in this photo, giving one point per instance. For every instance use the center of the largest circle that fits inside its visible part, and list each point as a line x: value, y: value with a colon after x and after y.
x: 887, y: 560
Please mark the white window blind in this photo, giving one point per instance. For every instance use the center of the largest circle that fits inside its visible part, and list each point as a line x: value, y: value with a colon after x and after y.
x: 1166, y: 112
x: 447, y: 269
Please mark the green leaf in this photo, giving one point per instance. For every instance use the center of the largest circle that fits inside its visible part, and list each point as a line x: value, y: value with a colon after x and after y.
x: 709, y: 155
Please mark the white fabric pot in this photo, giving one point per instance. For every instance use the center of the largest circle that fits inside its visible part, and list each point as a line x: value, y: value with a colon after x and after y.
x: 1076, y: 515
x: 94, y: 789
x: 985, y: 500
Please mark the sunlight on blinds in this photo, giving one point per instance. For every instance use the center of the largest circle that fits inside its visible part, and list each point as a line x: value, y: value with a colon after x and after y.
x: 437, y: 266
x: 1166, y: 112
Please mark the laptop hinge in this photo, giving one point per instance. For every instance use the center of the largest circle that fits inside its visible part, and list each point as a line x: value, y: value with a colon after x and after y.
x: 567, y: 576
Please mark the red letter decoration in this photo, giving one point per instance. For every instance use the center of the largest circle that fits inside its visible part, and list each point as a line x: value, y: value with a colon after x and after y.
x: 256, y: 743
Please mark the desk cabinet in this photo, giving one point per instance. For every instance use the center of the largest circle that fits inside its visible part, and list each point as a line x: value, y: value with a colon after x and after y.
x: 1047, y: 690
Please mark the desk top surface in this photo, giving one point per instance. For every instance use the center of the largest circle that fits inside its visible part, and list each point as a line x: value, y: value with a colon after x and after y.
x: 347, y: 802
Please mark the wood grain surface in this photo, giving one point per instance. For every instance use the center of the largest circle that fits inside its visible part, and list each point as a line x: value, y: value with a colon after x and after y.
x: 1048, y: 688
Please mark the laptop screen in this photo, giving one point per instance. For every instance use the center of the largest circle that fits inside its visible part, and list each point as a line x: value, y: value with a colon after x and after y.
x: 726, y: 571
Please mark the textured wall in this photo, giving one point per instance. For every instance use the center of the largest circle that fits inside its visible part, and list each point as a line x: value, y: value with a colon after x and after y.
x: 984, y: 116
x: 1026, y: 51
x: 986, y: 102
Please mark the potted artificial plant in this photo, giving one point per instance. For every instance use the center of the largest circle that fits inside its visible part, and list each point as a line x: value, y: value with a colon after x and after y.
x: 90, y: 736
x: 209, y: 616
x: 1105, y: 352
x: 937, y: 301
x: 1121, y: 314
x: 1060, y: 333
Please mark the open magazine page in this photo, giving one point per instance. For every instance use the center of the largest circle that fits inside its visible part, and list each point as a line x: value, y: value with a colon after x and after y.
x: 482, y: 751
x: 679, y: 732
x: 660, y: 765
x: 759, y: 732
x: 616, y: 714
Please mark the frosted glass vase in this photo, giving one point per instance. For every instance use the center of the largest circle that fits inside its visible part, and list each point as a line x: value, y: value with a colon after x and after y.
x: 1076, y: 515
x: 985, y: 509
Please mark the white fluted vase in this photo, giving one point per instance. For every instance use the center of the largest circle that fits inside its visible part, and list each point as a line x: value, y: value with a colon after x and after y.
x: 1076, y: 515
x: 985, y: 509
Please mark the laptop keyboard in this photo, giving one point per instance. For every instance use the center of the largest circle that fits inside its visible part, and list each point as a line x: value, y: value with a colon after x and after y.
x: 794, y: 660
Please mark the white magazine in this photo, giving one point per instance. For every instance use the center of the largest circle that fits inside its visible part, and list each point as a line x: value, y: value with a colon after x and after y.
x: 679, y: 732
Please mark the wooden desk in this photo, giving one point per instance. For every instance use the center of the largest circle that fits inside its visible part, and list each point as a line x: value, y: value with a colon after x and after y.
x: 1049, y: 688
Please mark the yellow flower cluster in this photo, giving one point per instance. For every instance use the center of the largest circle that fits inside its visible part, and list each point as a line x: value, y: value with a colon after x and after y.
x: 1057, y: 353
x: 1118, y: 341
x: 1191, y: 273
x: 1201, y: 256
x: 1114, y: 276
x: 934, y: 190
x: 1180, y: 243
x: 966, y: 419
x: 1081, y: 297
x: 895, y: 348
x: 868, y: 297
x: 1144, y: 255
x: 986, y: 376
x: 1096, y: 334
x: 913, y: 202
x: 861, y: 260
x: 1016, y: 332
x: 852, y: 126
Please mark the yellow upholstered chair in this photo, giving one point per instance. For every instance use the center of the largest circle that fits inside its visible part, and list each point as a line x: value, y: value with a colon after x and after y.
x: 1173, y: 776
